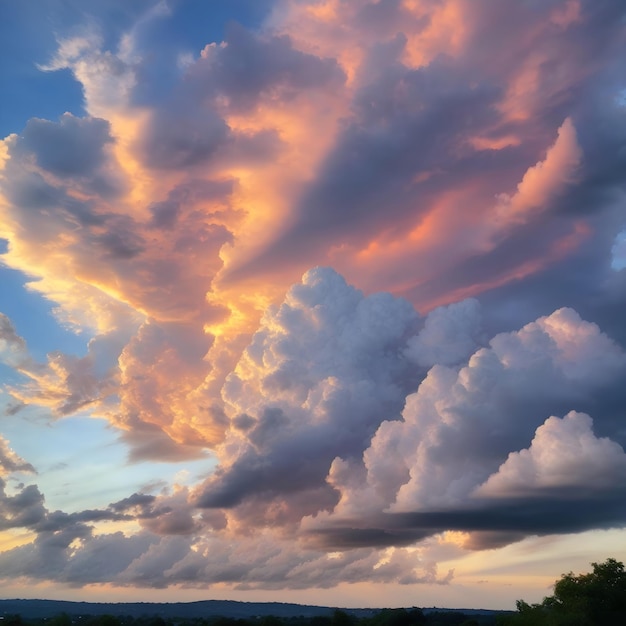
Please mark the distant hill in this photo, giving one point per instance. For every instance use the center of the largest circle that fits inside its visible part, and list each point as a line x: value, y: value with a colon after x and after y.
x: 39, y: 609
x: 34, y: 609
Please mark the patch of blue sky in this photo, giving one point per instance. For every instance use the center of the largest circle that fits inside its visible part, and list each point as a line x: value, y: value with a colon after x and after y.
x: 169, y: 37
x: 10, y: 377
x: 33, y: 319
x: 29, y: 39
x: 31, y: 29
x: 195, y: 23
x: 619, y: 252
x: 82, y: 464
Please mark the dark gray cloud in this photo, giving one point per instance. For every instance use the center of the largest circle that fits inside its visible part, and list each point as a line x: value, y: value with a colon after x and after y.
x: 67, y: 550
x: 76, y: 150
x: 181, y: 137
x: 172, y: 515
x: 68, y: 556
x: 490, y: 524
x: 24, y: 509
x: 351, y: 537
x: 134, y: 501
x: 72, y: 147
x: 248, y: 67
x: 121, y: 241
x: 164, y: 214
x: 30, y: 191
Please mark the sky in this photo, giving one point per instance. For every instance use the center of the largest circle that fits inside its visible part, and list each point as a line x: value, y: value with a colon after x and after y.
x: 316, y: 301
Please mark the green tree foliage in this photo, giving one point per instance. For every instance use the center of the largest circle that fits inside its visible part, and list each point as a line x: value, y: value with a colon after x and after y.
x: 597, y: 598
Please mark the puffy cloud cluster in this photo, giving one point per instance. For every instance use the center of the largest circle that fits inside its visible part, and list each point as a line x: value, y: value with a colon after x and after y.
x: 564, y: 453
x: 453, y: 447
x: 450, y: 335
x: 320, y: 374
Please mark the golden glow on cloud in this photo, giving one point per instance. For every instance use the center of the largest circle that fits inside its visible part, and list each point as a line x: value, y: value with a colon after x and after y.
x: 445, y: 30
x: 12, y: 538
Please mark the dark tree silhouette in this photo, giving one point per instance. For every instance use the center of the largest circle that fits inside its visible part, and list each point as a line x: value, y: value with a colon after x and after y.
x: 597, y: 598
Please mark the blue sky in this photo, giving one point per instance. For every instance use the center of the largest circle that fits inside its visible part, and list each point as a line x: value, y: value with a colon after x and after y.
x: 326, y: 293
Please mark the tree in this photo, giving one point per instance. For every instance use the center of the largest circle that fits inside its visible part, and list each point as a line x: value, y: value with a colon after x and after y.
x: 341, y: 618
x: 62, y: 619
x: 597, y: 598
x: 398, y: 617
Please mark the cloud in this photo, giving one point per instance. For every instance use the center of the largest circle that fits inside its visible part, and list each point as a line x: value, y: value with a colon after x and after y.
x: 460, y: 426
x: 320, y: 374
x: 68, y: 556
x: 563, y: 454
x: 335, y: 493
x: 12, y: 347
x: 183, y: 138
x: 237, y: 75
x: 171, y: 550
x: 107, y: 79
x: 64, y: 383
x: 174, y: 516
x: 450, y: 335
x: 104, y: 267
x: 11, y: 462
x: 247, y: 68
x: 23, y: 509
x: 72, y: 147
x: 146, y: 560
x: 547, y: 177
